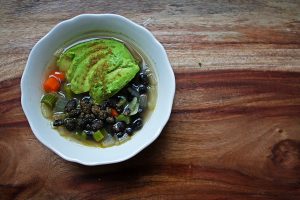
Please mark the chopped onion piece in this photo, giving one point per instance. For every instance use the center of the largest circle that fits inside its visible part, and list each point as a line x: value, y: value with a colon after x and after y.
x: 133, y: 106
x: 60, y: 104
x: 108, y: 141
x: 133, y: 92
x: 46, y: 111
x: 143, y: 101
x: 122, y: 139
x: 135, y: 109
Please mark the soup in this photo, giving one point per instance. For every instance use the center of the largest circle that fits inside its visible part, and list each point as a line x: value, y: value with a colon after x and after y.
x: 99, y: 91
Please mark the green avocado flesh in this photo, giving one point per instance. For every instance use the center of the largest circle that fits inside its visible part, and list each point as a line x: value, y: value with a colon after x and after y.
x: 101, y: 67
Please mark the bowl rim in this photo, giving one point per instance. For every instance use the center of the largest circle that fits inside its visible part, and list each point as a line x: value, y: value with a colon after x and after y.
x: 163, y: 120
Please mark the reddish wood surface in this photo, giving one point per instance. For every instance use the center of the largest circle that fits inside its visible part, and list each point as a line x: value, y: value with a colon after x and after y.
x: 234, y: 132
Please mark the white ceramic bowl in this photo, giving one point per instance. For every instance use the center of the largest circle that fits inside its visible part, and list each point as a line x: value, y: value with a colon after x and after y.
x: 73, y: 29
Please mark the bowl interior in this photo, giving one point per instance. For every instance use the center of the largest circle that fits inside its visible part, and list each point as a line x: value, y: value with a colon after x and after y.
x: 85, y: 26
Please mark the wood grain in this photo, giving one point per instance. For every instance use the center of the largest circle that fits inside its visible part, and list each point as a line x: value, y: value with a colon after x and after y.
x: 234, y: 132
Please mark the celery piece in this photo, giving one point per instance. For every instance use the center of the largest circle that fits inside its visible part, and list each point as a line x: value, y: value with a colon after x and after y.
x: 98, y: 136
x: 123, y: 118
x: 134, y: 106
x: 49, y: 99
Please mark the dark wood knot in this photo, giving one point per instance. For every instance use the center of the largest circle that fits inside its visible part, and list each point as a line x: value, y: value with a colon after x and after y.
x: 286, y: 154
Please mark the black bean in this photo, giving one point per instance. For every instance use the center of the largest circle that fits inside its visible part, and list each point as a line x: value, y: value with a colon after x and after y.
x: 81, y: 123
x: 125, y: 93
x: 96, y: 124
x: 58, y: 122
x: 119, y: 134
x: 142, y: 89
x: 75, y: 112
x: 95, y: 109
x: 86, y: 100
x: 89, y: 117
x: 88, y: 127
x: 134, y: 86
x: 108, y: 110
x: 109, y: 129
x: 71, y: 105
x: 104, y: 105
x: 113, y: 102
x: 129, y: 131
x: 119, y: 126
x: 70, y: 123
x: 81, y: 115
x: 86, y: 104
x: 89, y: 134
x: 110, y: 120
x: 137, y: 124
x: 140, y: 110
x: 126, y: 110
x: 103, y: 114
x: 143, y: 78
x: 98, y: 112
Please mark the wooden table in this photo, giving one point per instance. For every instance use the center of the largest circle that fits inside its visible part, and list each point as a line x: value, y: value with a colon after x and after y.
x: 234, y: 132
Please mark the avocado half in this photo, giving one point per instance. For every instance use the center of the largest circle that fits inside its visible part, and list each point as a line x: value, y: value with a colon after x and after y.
x: 101, y: 67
